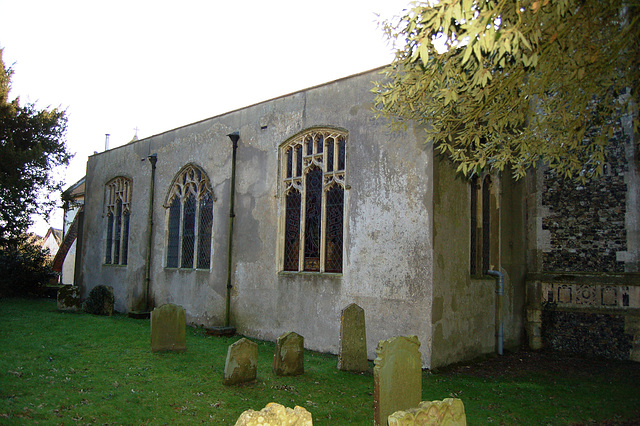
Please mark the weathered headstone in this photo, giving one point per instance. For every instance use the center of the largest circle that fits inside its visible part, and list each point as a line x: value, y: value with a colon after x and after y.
x: 276, y: 415
x: 397, y: 377
x: 242, y: 359
x: 100, y: 301
x: 69, y: 298
x: 168, y: 329
x: 353, y: 340
x: 288, y: 359
x: 449, y: 411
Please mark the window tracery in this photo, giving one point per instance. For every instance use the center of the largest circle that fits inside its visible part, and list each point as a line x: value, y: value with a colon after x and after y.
x: 190, y: 219
x: 313, y: 185
x: 118, y: 206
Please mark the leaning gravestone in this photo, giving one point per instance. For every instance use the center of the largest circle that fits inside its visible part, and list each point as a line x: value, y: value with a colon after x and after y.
x: 397, y: 377
x: 449, y: 411
x: 168, y: 329
x: 288, y: 359
x: 69, y: 298
x: 353, y: 340
x: 100, y: 301
x: 276, y: 415
x: 242, y: 358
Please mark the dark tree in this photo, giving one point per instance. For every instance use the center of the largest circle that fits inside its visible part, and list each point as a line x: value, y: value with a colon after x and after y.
x: 32, y: 144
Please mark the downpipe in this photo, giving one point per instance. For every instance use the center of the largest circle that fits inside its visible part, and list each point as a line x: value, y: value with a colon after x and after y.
x: 153, y: 159
x: 500, y: 293
x: 227, y: 314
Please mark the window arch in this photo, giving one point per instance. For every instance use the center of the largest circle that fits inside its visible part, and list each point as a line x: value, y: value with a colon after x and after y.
x: 189, y: 220
x: 313, y: 173
x: 118, y: 206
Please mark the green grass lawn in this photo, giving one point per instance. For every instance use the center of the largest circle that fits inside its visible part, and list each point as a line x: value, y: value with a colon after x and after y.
x: 67, y: 368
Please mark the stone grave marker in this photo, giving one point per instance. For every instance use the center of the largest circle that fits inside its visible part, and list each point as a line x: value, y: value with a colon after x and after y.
x: 353, y: 340
x: 288, y: 359
x: 276, y: 415
x: 242, y: 359
x: 397, y: 377
x: 168, y: 329
x: 99, y: 301
x: 449, y: 411
x: 69, y: 298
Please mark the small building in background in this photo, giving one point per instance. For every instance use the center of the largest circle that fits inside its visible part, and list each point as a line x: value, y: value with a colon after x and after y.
x: 52, y: 241
x: 65, y: 258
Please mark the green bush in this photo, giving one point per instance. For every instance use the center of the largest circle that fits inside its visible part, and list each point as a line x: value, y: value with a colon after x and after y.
x: 24, y: 269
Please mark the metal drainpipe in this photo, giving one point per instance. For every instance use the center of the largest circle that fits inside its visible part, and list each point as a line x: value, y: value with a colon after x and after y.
x: 234, y: 138
x: 500, y: 292
x: 153, y: 158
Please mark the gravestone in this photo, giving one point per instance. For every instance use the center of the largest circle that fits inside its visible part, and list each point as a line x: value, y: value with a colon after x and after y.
x: 449, y: 411
x: 397, y: 377
x: 276, y: 415
x: 242, y: 358
x: 353, y: 340
x: 168, y: 329
x: 288, y: 359
x: 99, y: 301
x: 69, y: 298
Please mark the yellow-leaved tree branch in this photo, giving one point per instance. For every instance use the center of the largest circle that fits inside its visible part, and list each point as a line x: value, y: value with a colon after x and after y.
x: 514, y: 83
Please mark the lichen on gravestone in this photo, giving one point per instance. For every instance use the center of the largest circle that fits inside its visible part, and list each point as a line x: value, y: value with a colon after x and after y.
x: 100, y: 301
x: 69, y: 298
x: 288, y: 359
x: 448, y: 412
x: 276, y: 414
x: 168, y: 329
x: 397, y: 377
x: 242, y: 359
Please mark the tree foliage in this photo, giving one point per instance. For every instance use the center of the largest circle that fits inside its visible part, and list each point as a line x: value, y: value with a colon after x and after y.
x: 25, y: 268
x: 514, y: 83
x: 31, y: 145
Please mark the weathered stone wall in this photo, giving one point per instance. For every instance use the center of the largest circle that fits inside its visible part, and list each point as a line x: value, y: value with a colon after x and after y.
x: 464, y: 307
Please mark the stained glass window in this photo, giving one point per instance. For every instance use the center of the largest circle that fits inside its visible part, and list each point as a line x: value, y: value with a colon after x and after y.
x: 292, y: 232
x: 174, y: 233
x: 118, y: 206
x: 335, y: 209
x: 190, y: 219
x: 486, y: 223
x: 188, y: 231
x: 204, y: 235
x: 480, y: 235
x: 109, y: 238
x: 313, y: 215
x: 117, y: 233
x: 313, y: 202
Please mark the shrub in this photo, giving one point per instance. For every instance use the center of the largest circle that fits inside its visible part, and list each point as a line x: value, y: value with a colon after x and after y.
x: 24, y: 269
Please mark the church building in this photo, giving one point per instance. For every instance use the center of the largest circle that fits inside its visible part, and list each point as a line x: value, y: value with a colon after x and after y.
x: 275, y: 217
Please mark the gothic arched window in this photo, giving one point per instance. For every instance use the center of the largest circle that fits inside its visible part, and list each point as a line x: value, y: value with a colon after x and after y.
x: 313, y: 184
x: 189, y: 220
x: 118, y: 206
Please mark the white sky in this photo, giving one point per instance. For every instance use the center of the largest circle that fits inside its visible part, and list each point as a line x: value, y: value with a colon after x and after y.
x: 156, y: 65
